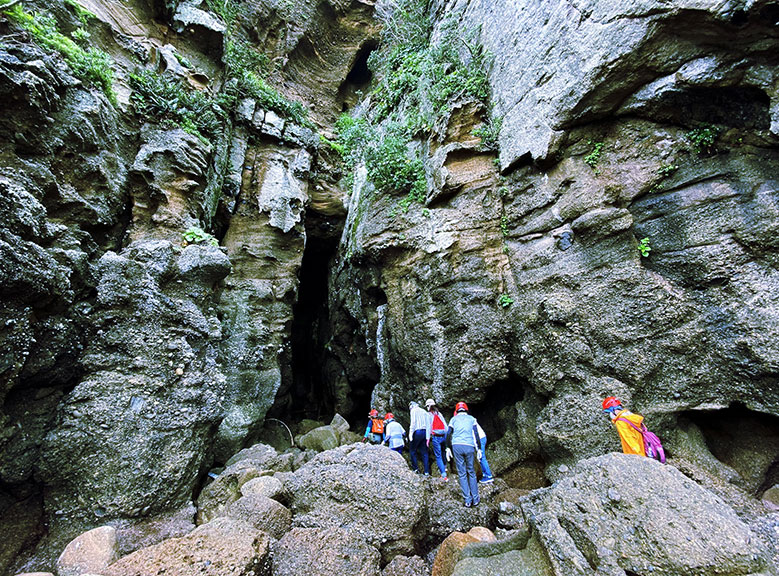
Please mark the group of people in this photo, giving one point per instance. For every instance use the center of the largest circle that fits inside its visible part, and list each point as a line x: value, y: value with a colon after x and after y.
x: 462, y: 439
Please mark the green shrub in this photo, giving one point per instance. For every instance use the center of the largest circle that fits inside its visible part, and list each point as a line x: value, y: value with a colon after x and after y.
x: 703, y: 138
x: 593, y: 157
x: 392, y: 169
x: 489, y: 133
x: 505, y: 300
x: 667, y: 169
x: 644, y: 247
x: 81, y: 13
x: 425, y: 77
x: 93, y: 67
x: 160, y: 99
x: 195, y: 235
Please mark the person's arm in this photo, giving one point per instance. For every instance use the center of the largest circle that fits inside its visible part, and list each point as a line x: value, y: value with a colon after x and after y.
x: 449, y: 432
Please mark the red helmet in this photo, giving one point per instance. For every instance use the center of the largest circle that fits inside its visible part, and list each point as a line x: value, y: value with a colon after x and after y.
x: 373, y: 413
x: 611, y: 402
x: 460, y: 406
x: 389, y: 416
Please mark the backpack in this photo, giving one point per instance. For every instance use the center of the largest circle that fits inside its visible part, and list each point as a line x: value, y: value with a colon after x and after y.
x: 652, y: 444
x: 377, y: 426
x: 438, y: 424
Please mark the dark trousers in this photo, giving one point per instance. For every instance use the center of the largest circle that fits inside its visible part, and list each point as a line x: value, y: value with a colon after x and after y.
x: 419, y: 442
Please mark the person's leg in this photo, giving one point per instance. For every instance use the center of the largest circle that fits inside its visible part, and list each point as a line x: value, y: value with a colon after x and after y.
x: 412, y: 452
x: 472, y: 485
x: 417, y: 445
x: 425, y: 454
x: 486, y: 473
x: 459, y: 452
x: 437, y: 442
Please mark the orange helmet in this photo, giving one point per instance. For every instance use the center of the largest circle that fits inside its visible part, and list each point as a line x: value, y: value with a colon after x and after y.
x: 461, y: 406
x: 611, y: 402
x: 373, y: 413
x: 389, y: 416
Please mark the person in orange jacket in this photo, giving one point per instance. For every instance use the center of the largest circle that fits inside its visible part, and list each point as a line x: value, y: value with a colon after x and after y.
x: 632, y: 439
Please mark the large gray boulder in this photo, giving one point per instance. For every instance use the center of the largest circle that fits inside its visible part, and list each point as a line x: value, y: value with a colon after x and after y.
x: 324, y: 552
x: 224, y: 547
x: 618, y: 513
x: 366, y: 490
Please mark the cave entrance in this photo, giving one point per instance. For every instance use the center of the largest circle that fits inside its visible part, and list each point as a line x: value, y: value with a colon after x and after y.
x: 746, y: 441
x: 309, y: 395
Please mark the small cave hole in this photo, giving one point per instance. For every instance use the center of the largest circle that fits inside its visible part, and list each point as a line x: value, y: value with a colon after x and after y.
x: 357, y: 80
x: 744, y: 107
x: 746, y: 441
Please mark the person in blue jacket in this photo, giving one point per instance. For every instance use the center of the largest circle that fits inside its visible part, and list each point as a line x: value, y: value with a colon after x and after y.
x: 463, y: 436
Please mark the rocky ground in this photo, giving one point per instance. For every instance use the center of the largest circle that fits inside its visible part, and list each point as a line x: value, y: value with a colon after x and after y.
x: 359, y: 509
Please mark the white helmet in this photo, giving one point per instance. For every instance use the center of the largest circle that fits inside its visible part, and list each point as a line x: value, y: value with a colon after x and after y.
x: 429, y: 402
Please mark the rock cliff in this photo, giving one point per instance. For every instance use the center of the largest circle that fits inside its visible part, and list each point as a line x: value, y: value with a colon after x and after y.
x: 218, y: 215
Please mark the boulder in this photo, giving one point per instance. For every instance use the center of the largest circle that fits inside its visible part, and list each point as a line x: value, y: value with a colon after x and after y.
x: 92, y: 551
x: 223, y: 547
x: 225, y: 489
x: 406, y: 566
x: 262, y: 513
x: 325, y: 552
x: 319, y: 439
x: 625, y: 512
x: 362, y: 488
x: 446, y: 513
x: 263, y: 486
x: 449, y: 552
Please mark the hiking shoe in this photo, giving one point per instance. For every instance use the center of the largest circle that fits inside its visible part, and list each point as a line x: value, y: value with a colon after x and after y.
x: 486, y: 481
x: 467, y: 504
x: 475, y: 504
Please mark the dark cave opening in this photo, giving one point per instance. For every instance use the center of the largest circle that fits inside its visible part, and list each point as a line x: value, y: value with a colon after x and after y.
x: 744, y: 107
x: 309, y: 394
x: 745, y: 440
x: 357, y: 80
x: 501, y: 397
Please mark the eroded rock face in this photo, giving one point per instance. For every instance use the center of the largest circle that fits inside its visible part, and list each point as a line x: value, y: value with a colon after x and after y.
x: 532, y: 289
x: 265, y: 242
x: 151, y: 385
x: 617, y: 58
x: 607, y: 517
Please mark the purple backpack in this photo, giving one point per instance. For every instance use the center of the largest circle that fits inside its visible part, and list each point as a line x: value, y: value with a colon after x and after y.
x: 652, y: 445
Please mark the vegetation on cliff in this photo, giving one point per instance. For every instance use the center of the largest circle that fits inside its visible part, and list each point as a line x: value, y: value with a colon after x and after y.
x: 416, y: 79
x: 90, y: 65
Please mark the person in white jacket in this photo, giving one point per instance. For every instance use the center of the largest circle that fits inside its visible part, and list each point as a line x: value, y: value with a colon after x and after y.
x: 419, y: 437
x: 393, y: 433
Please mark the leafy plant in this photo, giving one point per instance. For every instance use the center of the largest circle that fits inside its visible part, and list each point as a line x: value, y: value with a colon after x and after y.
x: 667, y: 169
x: 489, y: 133
x: 81, y: 13
x: 168, y: 102
x: 593, y: 157
x: 196, y: 235
x: 424, y: 77
x: 93, y: 67
x: 505, y: 300
x: 644, y: 247
x: 504, y: 225
x: 80, y: 35
x: 703, y: 138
